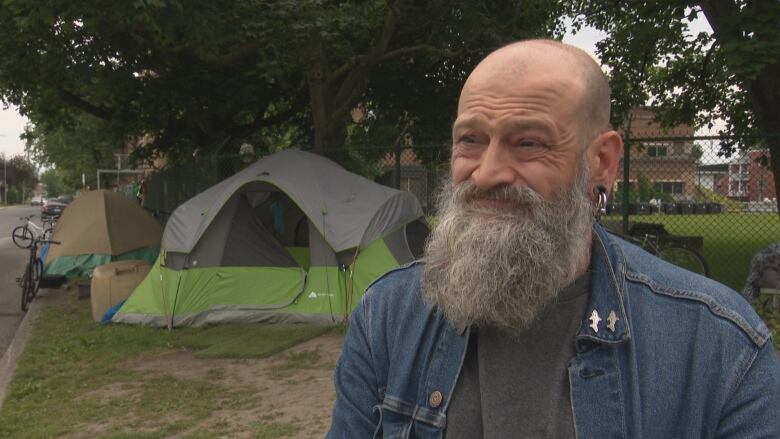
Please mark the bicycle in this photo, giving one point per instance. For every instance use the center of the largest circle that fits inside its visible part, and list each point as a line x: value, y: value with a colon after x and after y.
x: 24, y: 235
x: 30, y: 282
x: 674, y: 249
x: 678, y: 255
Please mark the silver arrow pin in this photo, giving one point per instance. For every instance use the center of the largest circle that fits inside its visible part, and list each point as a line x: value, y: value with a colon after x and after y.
x: 612, y: 319
x: 594, y: 320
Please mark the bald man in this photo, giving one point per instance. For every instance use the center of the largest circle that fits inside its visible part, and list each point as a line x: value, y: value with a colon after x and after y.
x: 525, y: 318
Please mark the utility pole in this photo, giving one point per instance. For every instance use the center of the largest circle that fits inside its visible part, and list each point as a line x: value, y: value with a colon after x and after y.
x: 5, y: 185
x: 5, y: 171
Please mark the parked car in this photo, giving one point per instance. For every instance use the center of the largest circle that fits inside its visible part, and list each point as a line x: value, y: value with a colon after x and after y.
x: 64, y: 199
x: 37, y: 201
x: 52, y: 208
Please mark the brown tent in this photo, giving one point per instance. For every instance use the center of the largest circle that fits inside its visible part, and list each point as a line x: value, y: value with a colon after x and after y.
x: 100, y: 227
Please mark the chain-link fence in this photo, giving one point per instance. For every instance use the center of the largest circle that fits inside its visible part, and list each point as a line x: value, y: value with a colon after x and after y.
x: 724, y: 208
x: 161, y: 192
x: 678, y: 185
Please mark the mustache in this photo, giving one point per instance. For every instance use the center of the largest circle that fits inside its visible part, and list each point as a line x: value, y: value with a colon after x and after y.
x: 467, y: 194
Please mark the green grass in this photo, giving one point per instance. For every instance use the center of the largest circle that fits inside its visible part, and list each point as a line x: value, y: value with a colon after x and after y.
x: 69, y: 362
x: 730, y: 239
x: 248, y: 341
x: 273, y: 430
x: 296, y: 361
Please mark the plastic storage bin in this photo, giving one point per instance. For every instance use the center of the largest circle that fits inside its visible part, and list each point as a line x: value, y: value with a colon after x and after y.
x: 113, y: 283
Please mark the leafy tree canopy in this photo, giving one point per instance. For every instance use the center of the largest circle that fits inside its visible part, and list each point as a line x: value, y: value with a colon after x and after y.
x: 54, y: 184
x: 207, y: 76
x: 18, y: 175
x: 204, y: 77
x: 82, y: 147
x: 733, y: 74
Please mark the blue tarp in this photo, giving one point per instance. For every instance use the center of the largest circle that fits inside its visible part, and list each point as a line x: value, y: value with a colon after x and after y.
x: 110, y: 313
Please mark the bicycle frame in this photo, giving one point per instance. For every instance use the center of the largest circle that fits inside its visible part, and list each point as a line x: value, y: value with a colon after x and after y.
x: 681, y: 256
x: 33, y: 272
x: 35, y: 228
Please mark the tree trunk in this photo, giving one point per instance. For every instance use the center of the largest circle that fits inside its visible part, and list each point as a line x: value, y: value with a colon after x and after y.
x: 329, y: 132
x: 764, y: 92
x: 763, y: 89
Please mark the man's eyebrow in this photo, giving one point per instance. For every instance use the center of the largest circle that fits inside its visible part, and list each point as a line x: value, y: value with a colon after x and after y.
x: 531, y: 123
x: 478, y: 120
x: 469, y: 121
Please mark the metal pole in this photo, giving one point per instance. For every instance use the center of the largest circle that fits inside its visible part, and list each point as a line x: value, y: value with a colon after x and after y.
x: 626, y: 182
x: 397, y: 151
x: 5, y: 185
x: 397, y: 182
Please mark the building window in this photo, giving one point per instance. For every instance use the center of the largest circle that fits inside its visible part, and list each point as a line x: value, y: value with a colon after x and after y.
x: 670, y: 187
x: 657, y: 151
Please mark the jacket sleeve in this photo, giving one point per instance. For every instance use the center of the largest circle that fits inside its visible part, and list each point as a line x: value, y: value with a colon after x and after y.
x: 357, y: 408
x: 752, y: 411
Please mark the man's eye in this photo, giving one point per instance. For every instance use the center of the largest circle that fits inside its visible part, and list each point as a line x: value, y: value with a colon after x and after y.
x: 529, y: 143
x: 467, y: 139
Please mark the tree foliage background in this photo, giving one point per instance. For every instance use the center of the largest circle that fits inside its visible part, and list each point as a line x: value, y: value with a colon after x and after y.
x: 731, y: 75
x: 202, y: 77
x: 19, y: 176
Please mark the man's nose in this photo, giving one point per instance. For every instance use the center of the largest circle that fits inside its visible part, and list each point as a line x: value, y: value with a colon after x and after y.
x: 495, y: 168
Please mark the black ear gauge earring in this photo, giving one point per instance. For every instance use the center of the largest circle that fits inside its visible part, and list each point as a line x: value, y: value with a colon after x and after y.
x: 600, y: 193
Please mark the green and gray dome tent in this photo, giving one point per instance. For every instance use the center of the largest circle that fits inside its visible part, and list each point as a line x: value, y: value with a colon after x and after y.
x: 292, y: 238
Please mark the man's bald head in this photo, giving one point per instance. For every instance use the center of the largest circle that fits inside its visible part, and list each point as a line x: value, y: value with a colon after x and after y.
x: 518, y: 58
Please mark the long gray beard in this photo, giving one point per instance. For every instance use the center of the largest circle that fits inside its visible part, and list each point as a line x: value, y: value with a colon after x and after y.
x: 501, y: 267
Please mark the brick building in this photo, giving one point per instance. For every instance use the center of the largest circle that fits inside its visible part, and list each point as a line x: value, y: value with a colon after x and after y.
x: 664, y: 156
x: 414, y: 178
x: 750, y: 177
x: 714, y: 177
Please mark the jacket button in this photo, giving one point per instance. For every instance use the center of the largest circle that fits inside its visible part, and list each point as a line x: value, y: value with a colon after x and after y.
x: 436, y: 399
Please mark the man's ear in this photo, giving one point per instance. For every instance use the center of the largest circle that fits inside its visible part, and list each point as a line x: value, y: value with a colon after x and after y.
x: 604, y: 156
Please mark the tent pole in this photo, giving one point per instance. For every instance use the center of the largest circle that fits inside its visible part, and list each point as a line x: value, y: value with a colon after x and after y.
x: 168, y: 319
x: 350, y: 286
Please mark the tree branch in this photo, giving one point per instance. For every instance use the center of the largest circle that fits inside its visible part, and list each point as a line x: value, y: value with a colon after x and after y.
x: 348, y: 103
x: 262, y: 122
x: 705, y: 64
x: 381, y: 46
x: 387, y: 33
x: 715, y: 11
x: 83, y: 105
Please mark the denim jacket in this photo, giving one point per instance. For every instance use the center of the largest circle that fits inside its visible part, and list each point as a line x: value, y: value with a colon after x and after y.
x: 688, y: 358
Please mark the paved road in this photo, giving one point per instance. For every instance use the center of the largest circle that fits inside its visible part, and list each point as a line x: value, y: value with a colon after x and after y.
x: 12, y: 262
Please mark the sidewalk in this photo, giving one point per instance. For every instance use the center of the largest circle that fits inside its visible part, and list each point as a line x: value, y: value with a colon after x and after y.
x: 10, y: 357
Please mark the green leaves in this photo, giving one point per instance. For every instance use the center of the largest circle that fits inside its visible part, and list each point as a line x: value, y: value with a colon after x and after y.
x: 202, y: 75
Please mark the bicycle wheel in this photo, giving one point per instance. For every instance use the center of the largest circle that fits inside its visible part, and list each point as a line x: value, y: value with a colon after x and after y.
x: 687, y: 259
x: 38, y: 275
x: 22, y: 237
x: 26, y: 288
x: 47, y: 233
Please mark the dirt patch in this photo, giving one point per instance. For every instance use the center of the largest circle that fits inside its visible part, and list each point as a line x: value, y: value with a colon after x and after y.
x: 290, y: 394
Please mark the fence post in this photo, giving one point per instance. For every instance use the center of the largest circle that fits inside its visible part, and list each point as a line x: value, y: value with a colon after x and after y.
x: 397, y: 176
x: 626, y: 182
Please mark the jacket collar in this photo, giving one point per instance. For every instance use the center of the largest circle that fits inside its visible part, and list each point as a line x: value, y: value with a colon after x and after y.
x: 605, y: 319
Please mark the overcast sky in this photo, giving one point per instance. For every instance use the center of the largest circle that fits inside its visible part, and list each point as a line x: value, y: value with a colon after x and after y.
x: 12, y: 124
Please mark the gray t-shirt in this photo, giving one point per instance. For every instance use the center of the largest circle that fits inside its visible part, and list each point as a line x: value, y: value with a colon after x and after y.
x: 518, y: 385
